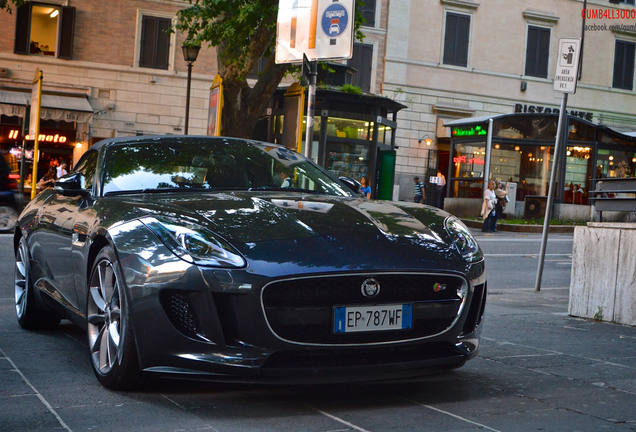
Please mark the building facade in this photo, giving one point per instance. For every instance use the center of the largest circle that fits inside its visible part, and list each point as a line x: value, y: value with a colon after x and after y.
x: 111, y: 70
x: 455, y: 59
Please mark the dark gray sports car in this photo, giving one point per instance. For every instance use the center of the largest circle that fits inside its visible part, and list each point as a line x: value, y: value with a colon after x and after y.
x: 235, y: 260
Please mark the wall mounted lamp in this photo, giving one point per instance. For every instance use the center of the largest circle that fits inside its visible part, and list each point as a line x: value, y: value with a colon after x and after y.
x: 426, y: 139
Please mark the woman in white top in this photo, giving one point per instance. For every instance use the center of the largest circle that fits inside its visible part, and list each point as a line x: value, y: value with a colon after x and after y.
x: 488, y: 208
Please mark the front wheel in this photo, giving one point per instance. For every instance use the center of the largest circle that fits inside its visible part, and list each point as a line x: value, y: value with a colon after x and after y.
x: 29, y: 317
x: 110, y: 335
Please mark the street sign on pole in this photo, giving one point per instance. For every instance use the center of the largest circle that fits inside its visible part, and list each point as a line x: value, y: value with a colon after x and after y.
x: 319, y: 29
x: 567, y: 70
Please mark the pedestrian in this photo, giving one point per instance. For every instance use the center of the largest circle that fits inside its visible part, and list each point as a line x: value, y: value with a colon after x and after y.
x: 440, y: 182
x: 286, y: 180
x: 488, y: 211
x: 501, y: 193
x: 61, y: 170
x: 48, y: 180
x: 365, y: 189
x: 418, y: 197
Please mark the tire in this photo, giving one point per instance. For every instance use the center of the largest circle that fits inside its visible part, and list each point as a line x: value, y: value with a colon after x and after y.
x: 29, y: 317
x: 111, y: 340
x: 8, y: 218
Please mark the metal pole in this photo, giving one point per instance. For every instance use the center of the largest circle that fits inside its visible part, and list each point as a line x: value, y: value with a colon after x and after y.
x: 187, y: 113
x: 25, y: 131
x: 36, y: 144
x: 548, y: 210
x: 311, y: 106
x: 487, y: 158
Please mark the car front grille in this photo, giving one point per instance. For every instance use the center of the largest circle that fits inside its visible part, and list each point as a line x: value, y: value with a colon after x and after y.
x: 302, y: 310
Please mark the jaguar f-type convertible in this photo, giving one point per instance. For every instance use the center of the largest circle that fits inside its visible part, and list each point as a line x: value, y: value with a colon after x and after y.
x: 236, y: 260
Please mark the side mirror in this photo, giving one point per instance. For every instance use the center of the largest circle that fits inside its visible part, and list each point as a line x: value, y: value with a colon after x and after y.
x: 352, y: 184
x: 71, y: 185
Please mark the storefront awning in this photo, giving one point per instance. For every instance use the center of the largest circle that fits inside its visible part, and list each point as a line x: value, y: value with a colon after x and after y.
x: 54, y: 107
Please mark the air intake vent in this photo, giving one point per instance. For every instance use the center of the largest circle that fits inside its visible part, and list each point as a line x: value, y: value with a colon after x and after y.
x: 181, y: 314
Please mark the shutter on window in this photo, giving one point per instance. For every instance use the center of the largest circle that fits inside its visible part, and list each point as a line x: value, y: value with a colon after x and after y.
x: 450, y: 39
x: 368, y: 12
x: 163, y: 44
x: 462, y: 40
x: 531, y: 51
x: 629, y: 65
x: 148, y: 26
x: 67, y: 32
x: 456, y: 39
x: 619, y: 64
x: 22, y: 42
x: 543, y: 53
x: 537, y: 52
x: 362, y: 61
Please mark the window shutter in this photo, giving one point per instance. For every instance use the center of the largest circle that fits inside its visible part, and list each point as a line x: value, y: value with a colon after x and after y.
x: 22, y: 42
x: 450, y: 38
x: 624, y: 65
x: 531, y: 51
x: 462, y: 40
x: 362, y: 61
x: 148, y: 25
x: 456, y: 39
x: 163, y: 43
x: 629, y: 66
x: 368, y: 12
x: 543, y: 53
x: 67, y: 32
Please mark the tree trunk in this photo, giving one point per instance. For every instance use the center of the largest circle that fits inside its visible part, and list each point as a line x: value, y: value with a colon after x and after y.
x: 243, y: 105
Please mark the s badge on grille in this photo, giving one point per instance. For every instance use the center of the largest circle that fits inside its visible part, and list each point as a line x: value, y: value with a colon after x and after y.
x: 370, y: 287
x: 439, y: 287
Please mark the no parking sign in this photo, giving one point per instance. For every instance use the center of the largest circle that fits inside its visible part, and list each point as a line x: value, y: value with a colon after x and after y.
x: 320, y: 29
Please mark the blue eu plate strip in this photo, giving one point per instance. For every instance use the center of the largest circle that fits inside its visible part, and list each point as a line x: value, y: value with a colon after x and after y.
x: 407, y: 316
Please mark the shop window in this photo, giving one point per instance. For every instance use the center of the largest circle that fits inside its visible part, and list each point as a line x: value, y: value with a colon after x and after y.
x: 577, y: 172
x: 615, y: 164
x: 367, y: 9
x: 349, y: 160
x: 362, y: 61
x: 45, y: 29
x: 537, y: 52
x: 624, y: 65
x: 456, y: 39
x: 627, y: 2
x: 155, y: 42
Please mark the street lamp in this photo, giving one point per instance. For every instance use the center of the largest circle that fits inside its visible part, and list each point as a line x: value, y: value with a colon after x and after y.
x: 190, y: 53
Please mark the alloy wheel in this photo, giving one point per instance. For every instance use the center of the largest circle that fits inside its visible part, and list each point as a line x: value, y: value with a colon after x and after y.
x: 105, y: 323
x: 21, y: 282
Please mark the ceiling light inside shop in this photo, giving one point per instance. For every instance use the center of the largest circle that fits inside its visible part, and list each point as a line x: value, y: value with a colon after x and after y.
x: 611, y: 158
x: 54, y: 13
x: 517, y: 148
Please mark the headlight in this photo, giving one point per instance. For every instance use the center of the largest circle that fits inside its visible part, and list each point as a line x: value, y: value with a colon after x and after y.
x: 463, y: 240
x: 194, y: 244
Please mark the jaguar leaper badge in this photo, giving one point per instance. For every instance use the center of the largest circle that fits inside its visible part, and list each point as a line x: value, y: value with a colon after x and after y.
x: 370, y: 287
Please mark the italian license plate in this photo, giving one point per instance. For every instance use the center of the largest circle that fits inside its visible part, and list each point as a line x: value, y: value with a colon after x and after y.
x: 348, y: 319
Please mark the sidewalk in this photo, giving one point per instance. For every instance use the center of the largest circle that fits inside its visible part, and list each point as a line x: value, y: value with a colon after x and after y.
x: 551, y: 371
x: 502, y: 226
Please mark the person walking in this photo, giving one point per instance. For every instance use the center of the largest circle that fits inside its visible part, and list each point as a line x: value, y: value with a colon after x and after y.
x: 488, y: 208
x: 418, y: 197
x: 501, y: 195
x: 440, y: 182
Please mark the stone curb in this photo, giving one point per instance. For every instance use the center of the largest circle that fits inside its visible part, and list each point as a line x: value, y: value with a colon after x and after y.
x: 556, y: 229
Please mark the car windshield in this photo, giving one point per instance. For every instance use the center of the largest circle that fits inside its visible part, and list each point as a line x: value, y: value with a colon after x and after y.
x: 196, y: 164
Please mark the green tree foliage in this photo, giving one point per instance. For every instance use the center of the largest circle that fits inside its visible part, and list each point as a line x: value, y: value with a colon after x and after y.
x: 243, y: 32
x: 6, y: 4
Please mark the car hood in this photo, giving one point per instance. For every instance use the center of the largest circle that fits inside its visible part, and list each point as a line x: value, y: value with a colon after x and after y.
x: 332, y: 232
